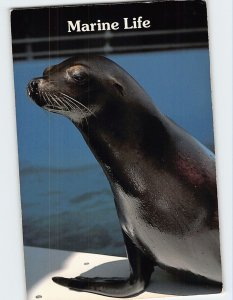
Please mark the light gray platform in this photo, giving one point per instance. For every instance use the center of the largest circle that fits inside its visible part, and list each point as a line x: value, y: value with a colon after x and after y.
x: 43, y: 264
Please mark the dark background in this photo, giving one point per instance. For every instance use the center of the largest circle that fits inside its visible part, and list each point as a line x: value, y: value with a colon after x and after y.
x: 39, y: 33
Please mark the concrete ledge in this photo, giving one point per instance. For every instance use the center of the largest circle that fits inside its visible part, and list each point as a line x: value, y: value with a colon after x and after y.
x: 43, y: 264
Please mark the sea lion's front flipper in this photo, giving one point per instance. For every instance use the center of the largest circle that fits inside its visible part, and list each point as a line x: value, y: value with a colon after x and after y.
x: 141, y: 268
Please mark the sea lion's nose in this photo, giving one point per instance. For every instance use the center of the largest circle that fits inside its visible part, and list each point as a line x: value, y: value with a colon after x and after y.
x: 33, y: 86
x: 33, y: 90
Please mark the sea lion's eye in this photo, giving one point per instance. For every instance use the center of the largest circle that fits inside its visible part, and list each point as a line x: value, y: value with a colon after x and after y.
x: 81, y: 77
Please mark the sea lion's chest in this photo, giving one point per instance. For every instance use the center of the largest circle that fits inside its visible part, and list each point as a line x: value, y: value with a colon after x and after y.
x: 160, y: 201
x: 170, y: 227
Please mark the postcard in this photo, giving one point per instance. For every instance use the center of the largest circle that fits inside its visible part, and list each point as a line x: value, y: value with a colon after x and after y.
x: 116, y: 150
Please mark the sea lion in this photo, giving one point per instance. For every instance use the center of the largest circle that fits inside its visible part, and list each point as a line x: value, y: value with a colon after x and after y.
x: 162, y: 179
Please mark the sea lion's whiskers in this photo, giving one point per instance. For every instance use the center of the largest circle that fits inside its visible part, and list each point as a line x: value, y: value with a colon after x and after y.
x: 64, y: 101
x: 48, y: 100
x: 72, y: 105
x: 52, y: 102
x: 46, y: 97
x: 67, y: 100
x: 70, y: 100
x: 76, y: 101
x: 59, y: 102
x: 79, y: 109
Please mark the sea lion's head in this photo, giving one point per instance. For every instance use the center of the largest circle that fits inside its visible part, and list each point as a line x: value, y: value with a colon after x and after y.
x: 79, y: 87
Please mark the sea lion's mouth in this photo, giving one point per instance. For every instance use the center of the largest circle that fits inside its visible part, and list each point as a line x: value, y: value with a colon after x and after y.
x: 34, y: 94
x: 57, y: 101
x: 46, y: 99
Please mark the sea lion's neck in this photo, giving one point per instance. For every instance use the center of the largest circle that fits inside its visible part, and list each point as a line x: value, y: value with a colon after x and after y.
x: 119, y: 137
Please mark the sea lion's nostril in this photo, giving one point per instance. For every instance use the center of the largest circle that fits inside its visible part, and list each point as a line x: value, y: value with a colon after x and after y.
x: 34, y: 93
x: 34, y: 85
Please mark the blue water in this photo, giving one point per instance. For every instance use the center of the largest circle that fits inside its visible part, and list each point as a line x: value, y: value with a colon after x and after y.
x: 69, y: 209
x: 66, y: 200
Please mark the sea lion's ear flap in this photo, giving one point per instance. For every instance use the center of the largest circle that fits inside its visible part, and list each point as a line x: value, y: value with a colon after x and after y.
x: 117, y: 85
